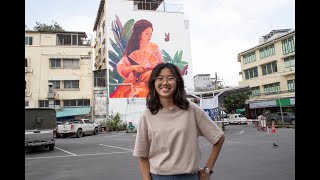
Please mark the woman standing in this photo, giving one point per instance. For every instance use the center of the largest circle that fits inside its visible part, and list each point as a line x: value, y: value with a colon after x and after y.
x: 140, y: 57
x: 168, y: 131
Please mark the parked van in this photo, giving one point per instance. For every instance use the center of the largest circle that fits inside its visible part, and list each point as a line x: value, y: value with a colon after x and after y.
x: 39, y: 128
x: 237, y: 119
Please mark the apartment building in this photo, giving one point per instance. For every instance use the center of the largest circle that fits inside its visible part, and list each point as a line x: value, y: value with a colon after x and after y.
x: 113, y: 27
x: 269, y: 70
x: 202, y: 82
x: 58, y: 72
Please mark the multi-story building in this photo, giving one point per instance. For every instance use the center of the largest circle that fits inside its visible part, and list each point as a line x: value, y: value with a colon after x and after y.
x: 58, y: 72
x: 113, y: 28
x: 202, y: 82
x: 269, y: 70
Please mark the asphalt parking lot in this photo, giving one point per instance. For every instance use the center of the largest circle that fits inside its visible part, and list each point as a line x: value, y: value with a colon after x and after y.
x: 247, y: 154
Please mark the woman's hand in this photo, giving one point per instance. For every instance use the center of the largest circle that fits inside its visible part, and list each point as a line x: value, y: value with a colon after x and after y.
x: 137, y: 68
x: 203, y: 175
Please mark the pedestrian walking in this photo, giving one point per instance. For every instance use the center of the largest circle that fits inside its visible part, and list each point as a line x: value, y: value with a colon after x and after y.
x: 168, y: 130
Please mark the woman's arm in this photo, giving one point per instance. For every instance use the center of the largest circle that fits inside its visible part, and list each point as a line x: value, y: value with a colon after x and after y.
x: 212, y: 158
x: 144, y: 168
x: 125, y: 69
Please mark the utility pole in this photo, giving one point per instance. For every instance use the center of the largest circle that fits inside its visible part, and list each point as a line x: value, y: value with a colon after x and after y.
x: 215, y: 81
x: 280, y: 108
x: 107, y: 98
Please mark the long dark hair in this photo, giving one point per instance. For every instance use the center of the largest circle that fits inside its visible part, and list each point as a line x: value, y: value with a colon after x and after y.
x: 179, y: 95
x: 134, y: 40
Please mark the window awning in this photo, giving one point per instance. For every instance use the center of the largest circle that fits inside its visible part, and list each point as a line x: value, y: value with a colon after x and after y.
x: 73, y: 111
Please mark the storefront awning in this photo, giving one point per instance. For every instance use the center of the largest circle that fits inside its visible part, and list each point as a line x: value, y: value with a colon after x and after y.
x: 73, y: 111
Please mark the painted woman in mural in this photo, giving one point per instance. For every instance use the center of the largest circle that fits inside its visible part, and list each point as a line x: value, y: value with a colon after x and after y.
x: 140, y: 57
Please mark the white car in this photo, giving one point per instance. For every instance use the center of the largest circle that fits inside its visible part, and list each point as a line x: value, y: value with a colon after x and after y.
x: 225, y: 121
x: 237, y: 119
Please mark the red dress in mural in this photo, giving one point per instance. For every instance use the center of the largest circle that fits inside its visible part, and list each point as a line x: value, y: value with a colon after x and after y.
x: 148, y: 56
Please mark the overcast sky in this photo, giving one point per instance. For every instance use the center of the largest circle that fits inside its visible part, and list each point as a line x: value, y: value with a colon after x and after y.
x: 219, y: 29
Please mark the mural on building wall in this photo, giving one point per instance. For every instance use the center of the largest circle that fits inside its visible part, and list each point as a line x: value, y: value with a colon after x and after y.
x: 134, y: 56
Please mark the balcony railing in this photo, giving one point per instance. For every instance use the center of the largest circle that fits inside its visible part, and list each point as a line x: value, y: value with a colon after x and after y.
x: 157, y: 6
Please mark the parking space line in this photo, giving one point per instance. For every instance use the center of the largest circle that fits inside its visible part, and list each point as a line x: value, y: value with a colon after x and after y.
x: 77, y: 155
x: 66, y: 151
x: 116, y: 147
x: 241, y: 132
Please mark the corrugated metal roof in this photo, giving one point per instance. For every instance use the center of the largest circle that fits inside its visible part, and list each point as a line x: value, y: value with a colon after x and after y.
x: 73, y: 111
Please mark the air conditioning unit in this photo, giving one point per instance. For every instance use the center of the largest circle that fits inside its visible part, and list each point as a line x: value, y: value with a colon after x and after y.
x: 288, y: 69
x: 50, y: 95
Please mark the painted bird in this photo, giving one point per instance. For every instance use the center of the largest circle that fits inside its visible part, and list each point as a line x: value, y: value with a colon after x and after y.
x: 166, y: 37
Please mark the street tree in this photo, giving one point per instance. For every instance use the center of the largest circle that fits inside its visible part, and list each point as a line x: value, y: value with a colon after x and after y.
x: 54, y: 27
x: 235, y: 101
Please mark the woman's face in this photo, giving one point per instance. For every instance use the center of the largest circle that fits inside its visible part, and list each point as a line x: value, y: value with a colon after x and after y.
x: 146, y: 35
x: 165, y: 83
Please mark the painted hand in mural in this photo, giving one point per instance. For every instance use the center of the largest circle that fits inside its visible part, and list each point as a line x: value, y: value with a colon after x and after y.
x: 137, y: 68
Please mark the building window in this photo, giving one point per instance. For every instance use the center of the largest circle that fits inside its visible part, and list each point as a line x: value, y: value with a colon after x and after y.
x: 71, y: 84
x: 99, y: 78
x: 267, y: 51
x: 289, y: 62
x: 248, y: 58
x: 251, y: 73
x: 255, y: 91
x: 273, y: 88
x: 27, y: 40
x: 25, y: 62
x: 43, y: 103
x: 55, y: 63
x: 26, y: 103
x: 72, y: 39
x: 288, y: 46
x: 291, y: 85
x: 269, y: 68
x: 77, y: 102
x: 71, y: 63
x: 55, y: 84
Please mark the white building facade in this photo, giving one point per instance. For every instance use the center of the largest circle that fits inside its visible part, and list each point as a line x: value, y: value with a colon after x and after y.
x: 113, y: 27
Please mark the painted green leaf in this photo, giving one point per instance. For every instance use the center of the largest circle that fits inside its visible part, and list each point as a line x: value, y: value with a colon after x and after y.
x: 116, y: 48
x: 180, y: 56
x: 126, y: 38
x: 111, y: 74
x: 127, y: 28
x: 181, y: 64
x: 115, y: 36
x: 175, y: 59
x: 167, y: 58
x: 112, y: 56
x: 112, y: 64
x: 119, y: 25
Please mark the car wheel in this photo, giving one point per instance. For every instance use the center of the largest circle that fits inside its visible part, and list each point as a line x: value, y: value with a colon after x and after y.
x: 293, y: 121
x: 79, y: 133
x: 95, y: 131
x: 51, y: 147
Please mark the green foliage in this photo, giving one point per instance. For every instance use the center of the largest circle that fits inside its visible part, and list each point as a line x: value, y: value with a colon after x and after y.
x: 54, y: 27
x: 116, y: 123
x: 235, y: 101
x: 121, y: 36
x: 177, y: 60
